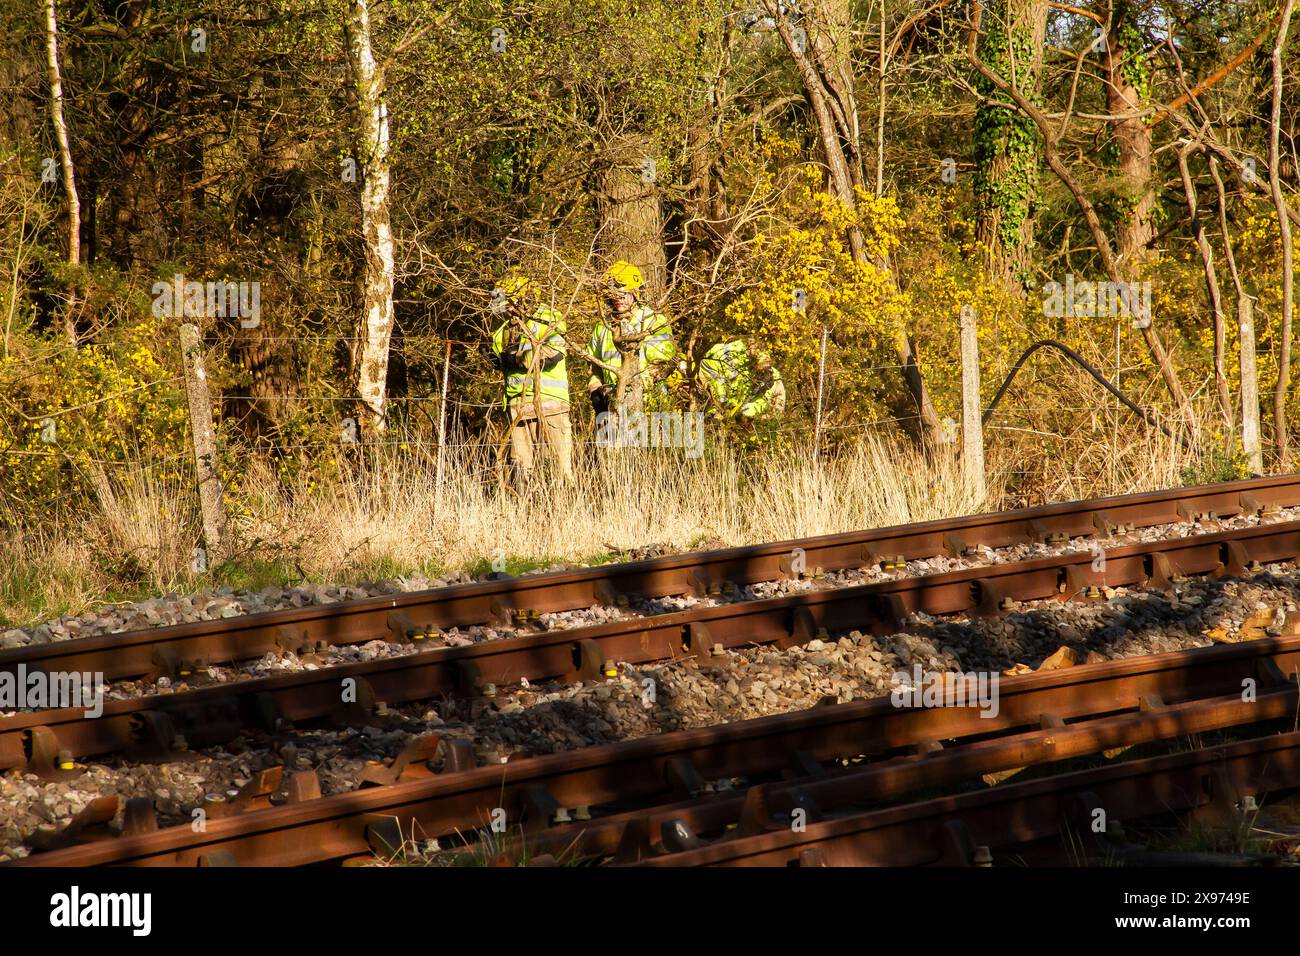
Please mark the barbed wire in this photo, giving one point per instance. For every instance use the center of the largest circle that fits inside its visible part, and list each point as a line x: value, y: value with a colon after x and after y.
x: 86, y: 459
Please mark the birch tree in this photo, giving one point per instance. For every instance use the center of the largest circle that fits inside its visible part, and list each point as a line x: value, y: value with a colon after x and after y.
x: 1250, y: 446
x: 376, y: 320
x: 1280, y: 438
x: 65, y: 155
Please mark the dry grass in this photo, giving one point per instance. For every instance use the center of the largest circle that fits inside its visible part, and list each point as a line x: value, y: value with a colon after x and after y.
x: 387, y: 517
x: 629, y: 499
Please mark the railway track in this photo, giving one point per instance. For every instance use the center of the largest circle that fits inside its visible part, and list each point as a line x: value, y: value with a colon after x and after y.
x: 157, y: 727
x: 960, y: 830
x: 788, y: 760
x: 420, y: 617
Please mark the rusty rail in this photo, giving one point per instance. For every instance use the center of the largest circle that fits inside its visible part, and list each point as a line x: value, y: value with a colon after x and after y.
x: 649, y: 835
x: 952, y: 830
x: 411, y: 618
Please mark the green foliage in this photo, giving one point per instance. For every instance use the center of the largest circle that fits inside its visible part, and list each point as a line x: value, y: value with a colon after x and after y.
x: 1007, y: 143
x: 1218, y: 464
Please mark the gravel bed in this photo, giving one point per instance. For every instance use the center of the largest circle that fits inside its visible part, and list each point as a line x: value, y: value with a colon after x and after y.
x: 735, y: 685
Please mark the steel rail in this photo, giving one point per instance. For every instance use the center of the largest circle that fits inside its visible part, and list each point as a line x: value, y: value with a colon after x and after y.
x: 654, y: 832
x: 946, y: 831
x: 529, y: 790
x: 212, y: 715
x: 411, y: 618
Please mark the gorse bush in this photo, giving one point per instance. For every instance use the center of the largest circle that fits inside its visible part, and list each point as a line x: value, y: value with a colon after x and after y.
x: 70, y: 414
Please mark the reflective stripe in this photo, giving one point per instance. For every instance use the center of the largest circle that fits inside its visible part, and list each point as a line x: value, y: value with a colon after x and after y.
x: 657, y: 347
x: 544, y: 329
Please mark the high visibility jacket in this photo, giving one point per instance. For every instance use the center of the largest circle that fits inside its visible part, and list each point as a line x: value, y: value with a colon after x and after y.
x: 657, y: 346
x: 731, y: 374
x: 527, y: 349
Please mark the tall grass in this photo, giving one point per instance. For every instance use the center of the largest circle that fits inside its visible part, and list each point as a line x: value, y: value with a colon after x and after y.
x: 390, y: 512
x: 387, y: 515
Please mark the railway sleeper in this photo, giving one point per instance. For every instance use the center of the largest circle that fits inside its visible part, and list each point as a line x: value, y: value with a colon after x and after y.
x: 1108, y: 526
x: 703, y: 585
x: 1161, y: 571
x: 683, y: 777
x: 168, y: 663
x: 1224, y: 805
x: 1078, y: 583
x: 218, y: 858
x: 989, y: 599
x: 884, y: 561
x: 538, y: 807
x: 424, y: 749
x: 356, y: 704
x: 1235, y: 560
x: 760, y: 814
x: 1042, y: 534
x: 1191, y: 515
x: 139, y: 817
x: 1086, y: 825
x: 46, y: 756
x: 590, y: 663
x: 384, y: 835
x: 605, y: 593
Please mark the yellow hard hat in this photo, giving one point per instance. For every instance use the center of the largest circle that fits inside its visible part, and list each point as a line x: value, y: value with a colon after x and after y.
x: 624, y: 275
x: 514, y: 286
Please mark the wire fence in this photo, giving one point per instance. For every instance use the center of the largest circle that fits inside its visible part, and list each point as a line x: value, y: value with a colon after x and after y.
x: 451, y: 408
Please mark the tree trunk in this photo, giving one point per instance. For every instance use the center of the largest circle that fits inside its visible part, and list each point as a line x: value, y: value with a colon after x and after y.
x: 1007, y: 143
x: 631, y: 217
x: 1053, y: 159
x: 133, y: 224
x: 1128, y: 79
x: 1281, y: 439
x: 881, y: 64
x: 65, y: 159
x: 376, y: 322
x: 271, y: 381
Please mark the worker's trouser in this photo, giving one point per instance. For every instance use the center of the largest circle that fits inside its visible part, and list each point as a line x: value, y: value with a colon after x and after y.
x: 553, y: 432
